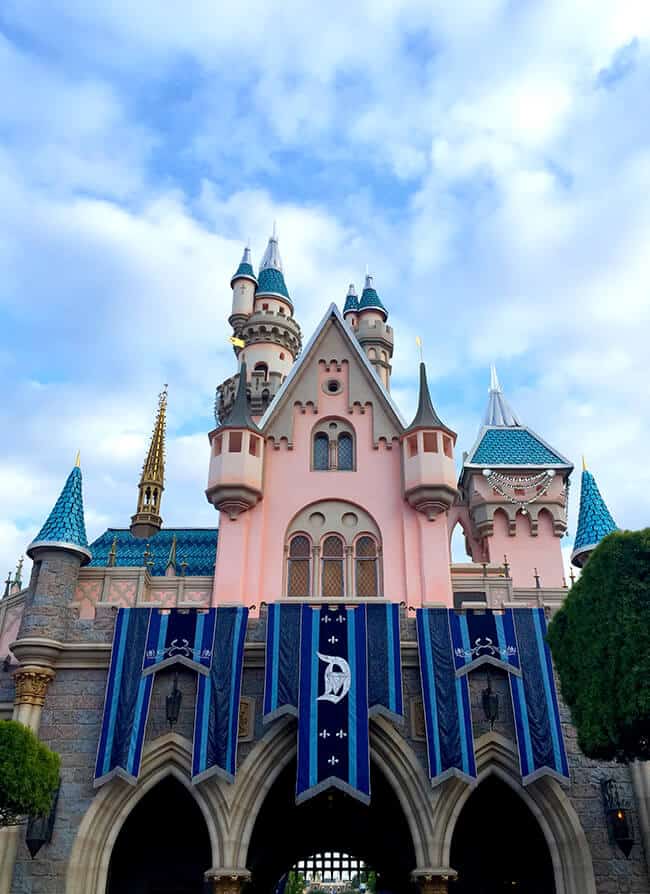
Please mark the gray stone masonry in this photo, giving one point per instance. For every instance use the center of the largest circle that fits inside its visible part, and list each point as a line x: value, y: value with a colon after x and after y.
x: 48, y: 611
x: 71, y: 722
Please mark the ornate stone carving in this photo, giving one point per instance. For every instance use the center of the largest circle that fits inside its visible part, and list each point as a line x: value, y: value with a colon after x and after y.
x: 433, y: 881
x: 31, y: 685
x: 227, y: 881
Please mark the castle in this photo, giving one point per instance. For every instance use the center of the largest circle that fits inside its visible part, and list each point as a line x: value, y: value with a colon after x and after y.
x: 325, y: 495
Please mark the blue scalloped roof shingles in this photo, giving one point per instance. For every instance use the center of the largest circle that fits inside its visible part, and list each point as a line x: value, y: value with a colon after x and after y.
x: 513, y: 447
x: 65, y: 523
x: 594, y: 518
x: 244, y: 270
x: 271, y: 282
x: 196, y: 546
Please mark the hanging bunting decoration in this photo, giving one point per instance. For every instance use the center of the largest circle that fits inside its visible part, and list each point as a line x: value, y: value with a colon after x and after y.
x: 385, y: 696
x: 520, y: 490
x: 282, y: 665
x: 445, y: 697
x: 333, y: 743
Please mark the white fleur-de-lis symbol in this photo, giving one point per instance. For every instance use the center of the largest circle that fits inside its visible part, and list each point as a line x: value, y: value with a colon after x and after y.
x: 324, y: 734
x: 341, y: 734
x: 325, y: 619
x: 333, y: 639
x: 333, y: 761
x: 340, y: 619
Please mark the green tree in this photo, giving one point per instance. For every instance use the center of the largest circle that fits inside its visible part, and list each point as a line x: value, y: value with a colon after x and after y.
x: 29, y: 774
x: 600, y: 641
x: 295, y: 883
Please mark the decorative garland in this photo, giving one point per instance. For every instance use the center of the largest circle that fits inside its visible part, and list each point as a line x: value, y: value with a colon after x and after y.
x: 505, y: 484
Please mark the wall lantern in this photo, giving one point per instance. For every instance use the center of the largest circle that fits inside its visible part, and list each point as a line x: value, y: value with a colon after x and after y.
x: 40, y: 828
x: 490, y: 702
x: 173, y: 701
x: 616, y: 815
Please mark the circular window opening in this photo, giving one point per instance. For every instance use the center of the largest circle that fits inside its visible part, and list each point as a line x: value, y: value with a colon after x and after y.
x: 333, y: 386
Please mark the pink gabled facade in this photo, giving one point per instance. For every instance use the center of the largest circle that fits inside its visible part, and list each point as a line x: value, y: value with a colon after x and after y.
x: 325, y: 492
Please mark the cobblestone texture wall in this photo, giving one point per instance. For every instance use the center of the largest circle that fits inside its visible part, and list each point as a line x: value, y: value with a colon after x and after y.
x: 71, y: 723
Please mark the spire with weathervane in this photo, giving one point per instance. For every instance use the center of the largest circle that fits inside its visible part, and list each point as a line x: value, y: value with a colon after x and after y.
x: 147, y: 520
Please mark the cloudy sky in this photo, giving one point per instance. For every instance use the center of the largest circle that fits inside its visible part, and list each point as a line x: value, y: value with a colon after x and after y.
x: 489, y: 160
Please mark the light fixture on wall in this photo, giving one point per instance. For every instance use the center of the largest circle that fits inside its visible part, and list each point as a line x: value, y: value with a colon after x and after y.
x: 173, y: 703
x: 40, y: 828
x: 616, y: 816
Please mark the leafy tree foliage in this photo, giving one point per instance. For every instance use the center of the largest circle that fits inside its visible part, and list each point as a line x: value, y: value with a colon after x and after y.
x: 600, y: 641
x: 295, y: 883
x: 29, y: 774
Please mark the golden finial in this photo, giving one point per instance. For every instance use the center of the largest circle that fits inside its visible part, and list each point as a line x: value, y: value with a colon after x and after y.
x: 77, y: 461
x: 584, y: 463
x: 112, y: 556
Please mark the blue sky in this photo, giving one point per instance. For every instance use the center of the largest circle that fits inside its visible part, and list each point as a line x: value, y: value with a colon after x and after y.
x: 489, y: 161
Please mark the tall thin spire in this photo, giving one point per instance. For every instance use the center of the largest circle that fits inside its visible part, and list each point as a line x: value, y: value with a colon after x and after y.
x: 499, y: 411
x: 594, y: 519
x: 271, y: 275
x: 147, y: 520
x: 426, y: 416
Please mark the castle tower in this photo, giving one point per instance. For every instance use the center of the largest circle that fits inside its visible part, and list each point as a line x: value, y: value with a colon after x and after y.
x: 58, y: 551
x: 147, y: 519
x: 375, y: 337
x: 515, y: 487
x: 351, y: 307
x: 594, y: 519
x: 262, y: 319
x: 236, y: 459
x: 243, y: 285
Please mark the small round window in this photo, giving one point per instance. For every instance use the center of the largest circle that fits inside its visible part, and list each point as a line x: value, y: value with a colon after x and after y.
x: 332, y: 386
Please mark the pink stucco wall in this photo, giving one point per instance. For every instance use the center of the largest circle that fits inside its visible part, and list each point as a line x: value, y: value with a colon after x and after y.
x: 525, y: 552
x: 250, y: 556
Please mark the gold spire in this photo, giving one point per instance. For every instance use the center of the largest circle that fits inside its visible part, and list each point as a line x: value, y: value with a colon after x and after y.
x: 147, y: 520
x: 584, y: 463
x: 77, y: 460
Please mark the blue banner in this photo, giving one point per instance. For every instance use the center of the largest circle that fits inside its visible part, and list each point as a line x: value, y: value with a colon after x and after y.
x: 216, y: 719
x: 282, y: 661
x: 534, y: 700
x: 333, y: 746
x: 484, y: 637
x: 146, y: 640
x: 384, y: 661
x: 445, y: 696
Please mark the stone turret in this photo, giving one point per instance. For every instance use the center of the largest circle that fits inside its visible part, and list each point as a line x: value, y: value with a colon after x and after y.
x: 243, y: 285
x: 428, y: 458
x: 147, y: 519
x: 594, y: 519
x: 372, y: 331
x: 236, y: 458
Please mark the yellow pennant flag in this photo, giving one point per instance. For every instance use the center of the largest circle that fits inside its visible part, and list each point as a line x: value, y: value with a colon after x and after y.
x: 237, y: 342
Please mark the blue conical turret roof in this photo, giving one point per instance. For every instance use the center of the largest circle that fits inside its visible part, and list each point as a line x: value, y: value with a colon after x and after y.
x: 65, y: 527
x: 351, y: 301
x: 594, y: 519
x: 271, y: 277
x: 370, y: 300
x: 245, y: 269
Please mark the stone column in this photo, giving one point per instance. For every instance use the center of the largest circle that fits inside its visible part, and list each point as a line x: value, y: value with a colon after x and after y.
x: 434, y: 880
x: 640, y: 772
x: 227, y: 881
x: 31, y: 687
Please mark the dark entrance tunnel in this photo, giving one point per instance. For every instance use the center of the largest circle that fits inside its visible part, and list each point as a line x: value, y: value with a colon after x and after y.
x: 163, y: 847
x: 498, y: 846
x: 285, y: 833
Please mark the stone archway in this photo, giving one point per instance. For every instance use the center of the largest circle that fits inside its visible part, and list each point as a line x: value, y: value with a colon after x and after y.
x: 546, y: 801
x: 169, y: 755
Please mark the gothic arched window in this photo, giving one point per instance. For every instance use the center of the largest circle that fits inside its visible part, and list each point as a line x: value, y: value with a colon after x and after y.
x: 345, y: 452
x: 299, y: 566
x: 332, y: 570
x: 366, y: 566
x: 321, y: 452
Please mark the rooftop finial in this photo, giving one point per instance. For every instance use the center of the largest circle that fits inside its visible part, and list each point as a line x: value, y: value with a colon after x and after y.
x: 147, y: 520
x: 494, y: 379
x: 77, y: 461
x: 18, y: 579
x: 584, y: 463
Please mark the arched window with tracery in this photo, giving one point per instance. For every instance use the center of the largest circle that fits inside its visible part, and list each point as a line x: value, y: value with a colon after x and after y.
x: 366, y: 566
x: 332, y: 567
x: 299, y: 566
x: 333, y: 446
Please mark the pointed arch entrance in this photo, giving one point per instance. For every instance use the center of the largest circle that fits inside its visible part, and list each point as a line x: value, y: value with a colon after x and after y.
x: 498, y: 845
x: 163, y: 847
x: 285, y: 834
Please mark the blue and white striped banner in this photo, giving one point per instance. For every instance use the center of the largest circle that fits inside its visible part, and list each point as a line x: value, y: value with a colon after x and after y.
x: 282, y: 660
x: 484, y: 637
x: 333, y: 746
x: 216, y: 719
x: 384, y: 661
x: 445, y: 696
x: 534, y: 701
x: 145, y: 641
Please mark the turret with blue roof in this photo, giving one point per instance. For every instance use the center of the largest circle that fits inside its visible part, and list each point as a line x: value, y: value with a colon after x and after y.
x: 65, y: 528
x: 351, y: 305
x: 594, y: 519
x: 245, y: 269
x: 271, y: 282
x: 370, y: 300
